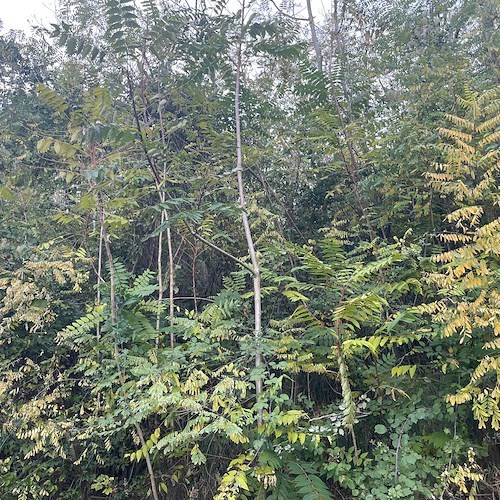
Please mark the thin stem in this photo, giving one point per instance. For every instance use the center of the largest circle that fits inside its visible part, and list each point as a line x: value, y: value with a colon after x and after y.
x: 121, y: 376
x: 283, y: 13
x: 171, y: 263
x: 99, y: 278
x: 193, y: 277
x: 215, y: 247
x: 398, y: 447
x: 171, y: 285
x: 160, y: 276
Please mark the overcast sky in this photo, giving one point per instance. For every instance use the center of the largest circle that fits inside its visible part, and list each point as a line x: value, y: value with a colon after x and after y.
x: 20, y: 14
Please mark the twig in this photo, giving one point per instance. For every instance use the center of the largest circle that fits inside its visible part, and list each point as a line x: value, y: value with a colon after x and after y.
x: 283, y: 13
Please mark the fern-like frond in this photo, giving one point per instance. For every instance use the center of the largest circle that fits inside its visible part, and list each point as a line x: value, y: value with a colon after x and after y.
x: 52, y: 99
x: 76, y: 330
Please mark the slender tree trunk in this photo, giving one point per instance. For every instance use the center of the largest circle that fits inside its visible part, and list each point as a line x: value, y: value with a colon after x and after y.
x: 171, y: 263
x: 99, y: 276
x: 193, y: 276
x: 171, y: 285
x: 116, y: 354
x: 171, y: 273
x: 314, y: 36
x: 160, y: 279
x: 246, y: 225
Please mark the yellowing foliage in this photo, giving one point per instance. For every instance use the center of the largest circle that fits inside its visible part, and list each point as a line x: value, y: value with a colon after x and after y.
x: 469, y: 278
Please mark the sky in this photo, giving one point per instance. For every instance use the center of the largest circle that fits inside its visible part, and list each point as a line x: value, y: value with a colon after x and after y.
x: 21, y: 14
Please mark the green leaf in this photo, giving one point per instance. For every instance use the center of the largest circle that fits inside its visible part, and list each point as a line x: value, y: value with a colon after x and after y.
x: 43, y: 145
x: 6, y: 194
x: 197, y: 457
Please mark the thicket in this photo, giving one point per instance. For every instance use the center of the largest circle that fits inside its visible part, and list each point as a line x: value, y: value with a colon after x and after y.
x: 251, y: 253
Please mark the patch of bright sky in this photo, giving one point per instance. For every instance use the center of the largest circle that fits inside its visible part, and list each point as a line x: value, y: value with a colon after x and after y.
x: 22, y: 14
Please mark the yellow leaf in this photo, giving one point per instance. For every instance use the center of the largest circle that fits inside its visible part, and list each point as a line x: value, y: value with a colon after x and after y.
x: 241, y: 480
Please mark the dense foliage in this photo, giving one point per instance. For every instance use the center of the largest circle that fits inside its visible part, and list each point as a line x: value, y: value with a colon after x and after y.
x: 251, y: 254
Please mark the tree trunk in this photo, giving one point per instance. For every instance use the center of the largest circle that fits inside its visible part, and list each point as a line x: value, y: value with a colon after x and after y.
x: 246, y: 225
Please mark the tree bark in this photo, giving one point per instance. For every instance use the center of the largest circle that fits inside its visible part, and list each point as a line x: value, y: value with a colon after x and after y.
x: 246, y: 225
x: 314, y: 37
